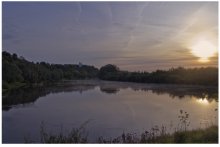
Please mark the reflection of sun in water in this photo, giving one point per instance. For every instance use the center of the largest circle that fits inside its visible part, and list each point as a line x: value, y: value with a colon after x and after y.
x: 204, y: 50
x: 203, y: 101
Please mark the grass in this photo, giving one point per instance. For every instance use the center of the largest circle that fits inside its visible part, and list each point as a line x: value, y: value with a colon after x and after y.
x: 208, y: 135
x: 76, y: 135
x: 155, y: 135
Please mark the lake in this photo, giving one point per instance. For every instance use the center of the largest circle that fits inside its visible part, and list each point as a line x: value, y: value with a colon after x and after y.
x: 106, y: 108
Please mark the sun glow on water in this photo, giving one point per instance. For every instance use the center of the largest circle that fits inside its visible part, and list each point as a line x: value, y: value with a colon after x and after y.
x: 203, y: 101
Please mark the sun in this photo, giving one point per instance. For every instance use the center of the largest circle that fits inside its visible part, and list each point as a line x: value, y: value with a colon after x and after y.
x: 204, y: 50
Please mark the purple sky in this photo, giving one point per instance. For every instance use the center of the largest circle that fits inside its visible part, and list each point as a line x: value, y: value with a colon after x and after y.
x: 133, y: 35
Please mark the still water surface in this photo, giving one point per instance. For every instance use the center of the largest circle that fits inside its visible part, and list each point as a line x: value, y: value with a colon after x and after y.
x: 109, y: 108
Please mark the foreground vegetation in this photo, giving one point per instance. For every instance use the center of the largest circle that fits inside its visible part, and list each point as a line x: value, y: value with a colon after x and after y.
x: 208, y: 135
x: 18, y: 72
x: 155, y: 135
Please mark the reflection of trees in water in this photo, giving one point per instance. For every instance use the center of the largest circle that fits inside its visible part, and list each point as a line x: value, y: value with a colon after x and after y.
x: 109, y: 90
x: 209, y: 93
x: 30, y: 95
x: 22, y: 96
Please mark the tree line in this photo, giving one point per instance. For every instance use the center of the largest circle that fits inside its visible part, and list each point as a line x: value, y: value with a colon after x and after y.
x: 180, y: 75
x: 18, y: 70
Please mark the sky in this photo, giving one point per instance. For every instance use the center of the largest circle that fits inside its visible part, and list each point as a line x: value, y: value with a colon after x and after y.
x: 135, y: 36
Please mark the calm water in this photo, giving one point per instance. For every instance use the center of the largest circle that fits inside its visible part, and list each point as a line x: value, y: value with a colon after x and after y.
x: 109, y: 108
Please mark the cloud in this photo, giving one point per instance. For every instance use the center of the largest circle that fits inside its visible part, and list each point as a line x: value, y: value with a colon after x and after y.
x: 130, y: 34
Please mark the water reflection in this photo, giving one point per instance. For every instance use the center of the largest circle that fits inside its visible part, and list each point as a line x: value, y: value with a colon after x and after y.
x: 203, y: 101
x: 113, y: 107
x: 109, y: 90
x: 30, y: 95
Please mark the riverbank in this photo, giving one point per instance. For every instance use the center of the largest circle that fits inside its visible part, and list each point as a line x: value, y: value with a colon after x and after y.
x: 208, y: 135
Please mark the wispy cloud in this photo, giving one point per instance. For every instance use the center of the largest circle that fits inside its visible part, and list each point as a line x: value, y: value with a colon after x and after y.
x: 130, y: 34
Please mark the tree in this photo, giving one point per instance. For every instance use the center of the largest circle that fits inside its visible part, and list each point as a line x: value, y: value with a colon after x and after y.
x: 11, y: 73
x: 108, y: 71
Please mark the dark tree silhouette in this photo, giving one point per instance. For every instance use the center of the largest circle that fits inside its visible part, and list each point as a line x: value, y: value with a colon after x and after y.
x: 19, y: 70
x: 16, y: 69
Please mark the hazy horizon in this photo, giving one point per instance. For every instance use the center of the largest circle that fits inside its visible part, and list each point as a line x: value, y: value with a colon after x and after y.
x: 136, y: 36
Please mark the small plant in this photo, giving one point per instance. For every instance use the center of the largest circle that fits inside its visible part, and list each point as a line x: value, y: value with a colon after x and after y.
x: 76, y: 135
x: 184, y: 120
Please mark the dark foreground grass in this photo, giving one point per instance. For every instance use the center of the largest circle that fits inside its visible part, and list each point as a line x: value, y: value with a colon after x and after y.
x: 155, y: 135
x: 208, y: 135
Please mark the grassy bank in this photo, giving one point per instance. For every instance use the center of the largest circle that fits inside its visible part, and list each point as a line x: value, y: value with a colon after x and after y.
x: 208, y: 135
x: 157, y: 134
